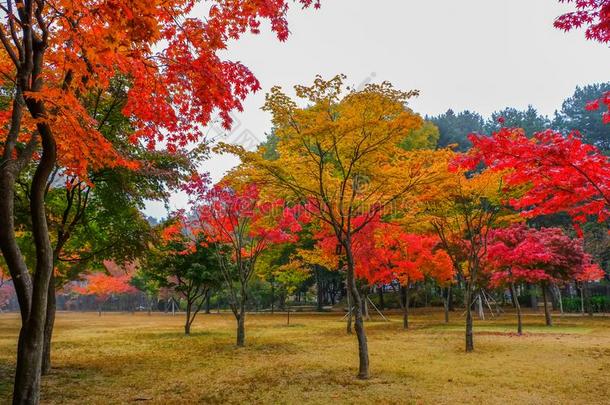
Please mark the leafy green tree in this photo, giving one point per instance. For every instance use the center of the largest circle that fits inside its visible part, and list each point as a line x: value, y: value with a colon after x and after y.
x: 189, y: 269
x: 575, y: 116
x: 98, y: 218
x: 425, y: 137
x: 530, y: 120
x: 455, y: 128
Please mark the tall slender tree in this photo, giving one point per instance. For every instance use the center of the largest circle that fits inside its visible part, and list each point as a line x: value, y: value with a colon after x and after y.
x: 341, y: 158
x: 242, y: 226
x: 463, y: 210
x: 56, y: 53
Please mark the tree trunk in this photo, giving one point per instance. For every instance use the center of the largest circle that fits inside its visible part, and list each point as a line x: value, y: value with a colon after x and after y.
x: 447, y: 297
x: 241, y: 317
x: 365, y: 308
x: 319, y: 291
x: 469, y: 333
x: 582, y: 298
x: 547, y: 310
x: 207, y: 302
x: 513, y: 294
x: 381, y: 302
x: 349, y: 309
x: 589, y: 300
x: 241, y: 330
x: 187, y: 323
x: 363, y: 351
x: 404, y: 299
x: 31, y: 337
x: 48, y: 327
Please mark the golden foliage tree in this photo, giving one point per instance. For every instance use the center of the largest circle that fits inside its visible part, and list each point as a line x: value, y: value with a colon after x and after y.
x: 462, y: 209
x: 340, y: 156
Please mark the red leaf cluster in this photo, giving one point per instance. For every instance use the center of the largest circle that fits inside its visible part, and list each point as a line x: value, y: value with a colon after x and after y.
x: 560, y: 173
x: 594, y: 15
x: 169, y: 61
x: 408, y: 257
x: 104, y: 285
x: 522, y: 254
x: 384, y: 253
x: 240, y: 218
x: 116, y: 281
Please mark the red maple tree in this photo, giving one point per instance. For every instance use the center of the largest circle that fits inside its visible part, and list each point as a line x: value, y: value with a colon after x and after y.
x: 385, y: 254
x: 537, y: 256
x: 103, y: 286
x: 558, y: 173
x: 408, y: 258
x: 241, y: 225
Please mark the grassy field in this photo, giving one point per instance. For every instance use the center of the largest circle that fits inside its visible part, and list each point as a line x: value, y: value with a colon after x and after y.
x: 126, y: 358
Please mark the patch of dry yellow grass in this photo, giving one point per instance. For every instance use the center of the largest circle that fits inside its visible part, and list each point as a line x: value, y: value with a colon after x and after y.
x: 124, y: 358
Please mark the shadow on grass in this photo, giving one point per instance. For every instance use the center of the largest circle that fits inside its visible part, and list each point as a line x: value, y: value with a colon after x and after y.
x: 510, y: 329
x: 180, y: 335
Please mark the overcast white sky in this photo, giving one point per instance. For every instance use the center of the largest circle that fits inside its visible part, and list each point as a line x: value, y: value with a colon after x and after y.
x: 481, y: 55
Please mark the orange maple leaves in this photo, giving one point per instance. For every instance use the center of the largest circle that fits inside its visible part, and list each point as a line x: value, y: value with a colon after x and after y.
x: 169, y: 57
x: 104, y: 285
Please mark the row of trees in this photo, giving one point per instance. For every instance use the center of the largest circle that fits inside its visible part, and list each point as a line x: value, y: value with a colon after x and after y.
x: 576, y: 113
x: 102, y: 108
x: 346, y: 185
x: 341, y: 185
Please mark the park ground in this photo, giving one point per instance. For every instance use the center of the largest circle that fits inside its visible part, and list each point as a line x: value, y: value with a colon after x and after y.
x: 137, y: 358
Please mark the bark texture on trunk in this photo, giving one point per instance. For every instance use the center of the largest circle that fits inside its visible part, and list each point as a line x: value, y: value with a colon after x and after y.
x: 349, y: 310
x: 187, y: 323
x: 513, y: 294
x: 31, y: 337
x: 469, y: 332
x: 48, y: 327
x: 241, y: 330
x: 547, y: 310
x: 404, y: 301
x: 447, y: 298
x: 363, y: 351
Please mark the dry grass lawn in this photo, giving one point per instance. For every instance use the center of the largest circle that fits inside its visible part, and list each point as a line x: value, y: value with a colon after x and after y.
x: 125, y: 358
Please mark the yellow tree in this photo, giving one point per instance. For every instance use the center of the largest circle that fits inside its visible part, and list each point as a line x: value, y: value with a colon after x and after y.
x: 462, y: 209
x: 340, y: 156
